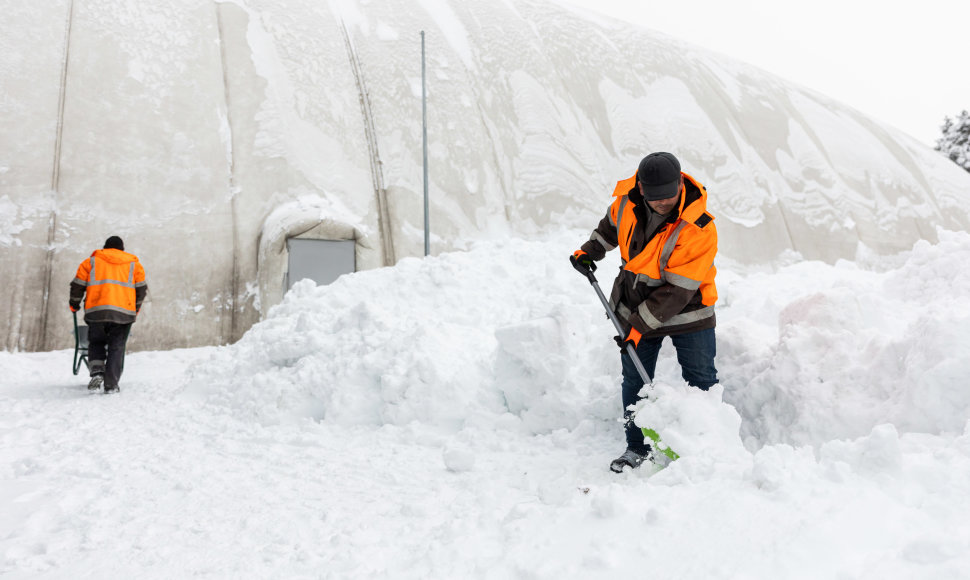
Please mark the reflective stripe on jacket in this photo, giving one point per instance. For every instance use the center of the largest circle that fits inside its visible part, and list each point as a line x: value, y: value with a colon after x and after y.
x: 114, y: 284
x: 666, y: 283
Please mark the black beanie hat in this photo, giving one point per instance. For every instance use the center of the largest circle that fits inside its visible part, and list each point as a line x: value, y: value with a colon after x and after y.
x: 659, y: 173
x: 114, y: 242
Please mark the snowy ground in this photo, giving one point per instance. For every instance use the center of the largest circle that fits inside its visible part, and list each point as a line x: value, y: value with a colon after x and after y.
x: 454, y: 417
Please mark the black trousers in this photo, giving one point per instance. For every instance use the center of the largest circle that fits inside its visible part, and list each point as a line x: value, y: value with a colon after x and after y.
x: 106, y: 350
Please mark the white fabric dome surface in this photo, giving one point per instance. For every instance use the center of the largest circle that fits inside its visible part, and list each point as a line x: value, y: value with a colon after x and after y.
x: 206, y: 134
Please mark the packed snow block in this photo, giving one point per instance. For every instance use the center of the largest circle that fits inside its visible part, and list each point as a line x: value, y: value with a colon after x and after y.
x: 931, y: 393
x: 531, y: 372
x: 776, y: 466
x: 878, y: 454
x: 860, y: 347
x: 458, y: 457
x: 529, y: 363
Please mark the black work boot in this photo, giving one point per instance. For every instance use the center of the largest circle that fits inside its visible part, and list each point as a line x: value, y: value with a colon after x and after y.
x: 630, y: 458
x: 96, y: 381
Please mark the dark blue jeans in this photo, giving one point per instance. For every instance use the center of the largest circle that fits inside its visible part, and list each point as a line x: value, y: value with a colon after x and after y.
x: 695, y: 353
x: 106, y: 350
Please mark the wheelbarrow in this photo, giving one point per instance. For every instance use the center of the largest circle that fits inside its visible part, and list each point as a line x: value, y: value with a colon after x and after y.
x: 80, y: 345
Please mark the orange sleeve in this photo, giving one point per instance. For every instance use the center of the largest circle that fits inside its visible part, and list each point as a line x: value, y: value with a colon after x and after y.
x: 83, y: 272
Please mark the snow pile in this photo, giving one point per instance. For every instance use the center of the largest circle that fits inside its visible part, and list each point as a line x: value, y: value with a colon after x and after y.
x: 830, y: 352
x: 508, y: 336
x: 454, y: 417
x: 495, y: 335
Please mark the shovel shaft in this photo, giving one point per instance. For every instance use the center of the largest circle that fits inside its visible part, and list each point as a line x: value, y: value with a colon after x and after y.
x: 667, y: 454
x: 632, y: 352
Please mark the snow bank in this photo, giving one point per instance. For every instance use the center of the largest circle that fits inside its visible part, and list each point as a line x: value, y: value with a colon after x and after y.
x: 494, y: 334
x: 454, y: 417
x: 508, y: 336
x: 858, y: 346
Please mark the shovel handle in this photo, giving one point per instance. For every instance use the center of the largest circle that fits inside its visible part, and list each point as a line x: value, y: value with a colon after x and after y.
x: 632, y: 352
x: 668, y: 454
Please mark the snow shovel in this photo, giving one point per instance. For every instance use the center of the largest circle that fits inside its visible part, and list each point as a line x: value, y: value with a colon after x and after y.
x: 632, y: 352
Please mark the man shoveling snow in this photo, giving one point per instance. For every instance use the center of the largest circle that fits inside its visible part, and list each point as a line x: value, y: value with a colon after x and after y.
x: 665, y: 287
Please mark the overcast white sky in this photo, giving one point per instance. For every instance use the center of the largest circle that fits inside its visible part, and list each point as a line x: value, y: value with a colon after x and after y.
x: 903, y: 63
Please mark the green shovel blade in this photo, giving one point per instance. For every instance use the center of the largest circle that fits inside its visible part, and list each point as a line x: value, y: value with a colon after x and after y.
x: 658, y: 444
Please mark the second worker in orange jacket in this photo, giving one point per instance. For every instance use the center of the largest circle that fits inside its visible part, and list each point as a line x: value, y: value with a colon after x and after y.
x: 112, y: 283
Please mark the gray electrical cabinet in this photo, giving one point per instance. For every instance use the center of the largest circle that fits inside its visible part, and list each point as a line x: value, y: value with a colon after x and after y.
x: 322, y: 261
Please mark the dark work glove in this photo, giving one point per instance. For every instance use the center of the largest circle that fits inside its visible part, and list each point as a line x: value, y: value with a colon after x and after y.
x: 632, y: 337
x: 75, y: 305
x: 582, y: 262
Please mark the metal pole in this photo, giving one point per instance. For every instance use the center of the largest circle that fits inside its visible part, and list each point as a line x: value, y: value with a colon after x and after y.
x: 424, y: 137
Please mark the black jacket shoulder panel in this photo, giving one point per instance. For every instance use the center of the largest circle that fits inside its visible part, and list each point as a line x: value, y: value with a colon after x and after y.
x: 705, y: 219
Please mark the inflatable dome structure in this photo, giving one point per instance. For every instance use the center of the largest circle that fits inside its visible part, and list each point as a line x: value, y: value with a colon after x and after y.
x: 236, y: 144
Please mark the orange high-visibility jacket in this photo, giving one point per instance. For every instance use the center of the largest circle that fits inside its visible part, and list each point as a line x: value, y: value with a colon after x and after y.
x: 114, y: 282
x: 666, y: 284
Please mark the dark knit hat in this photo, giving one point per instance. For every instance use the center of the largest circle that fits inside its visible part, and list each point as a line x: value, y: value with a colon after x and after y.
x: 114, y: 242
x: 659, y: 173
